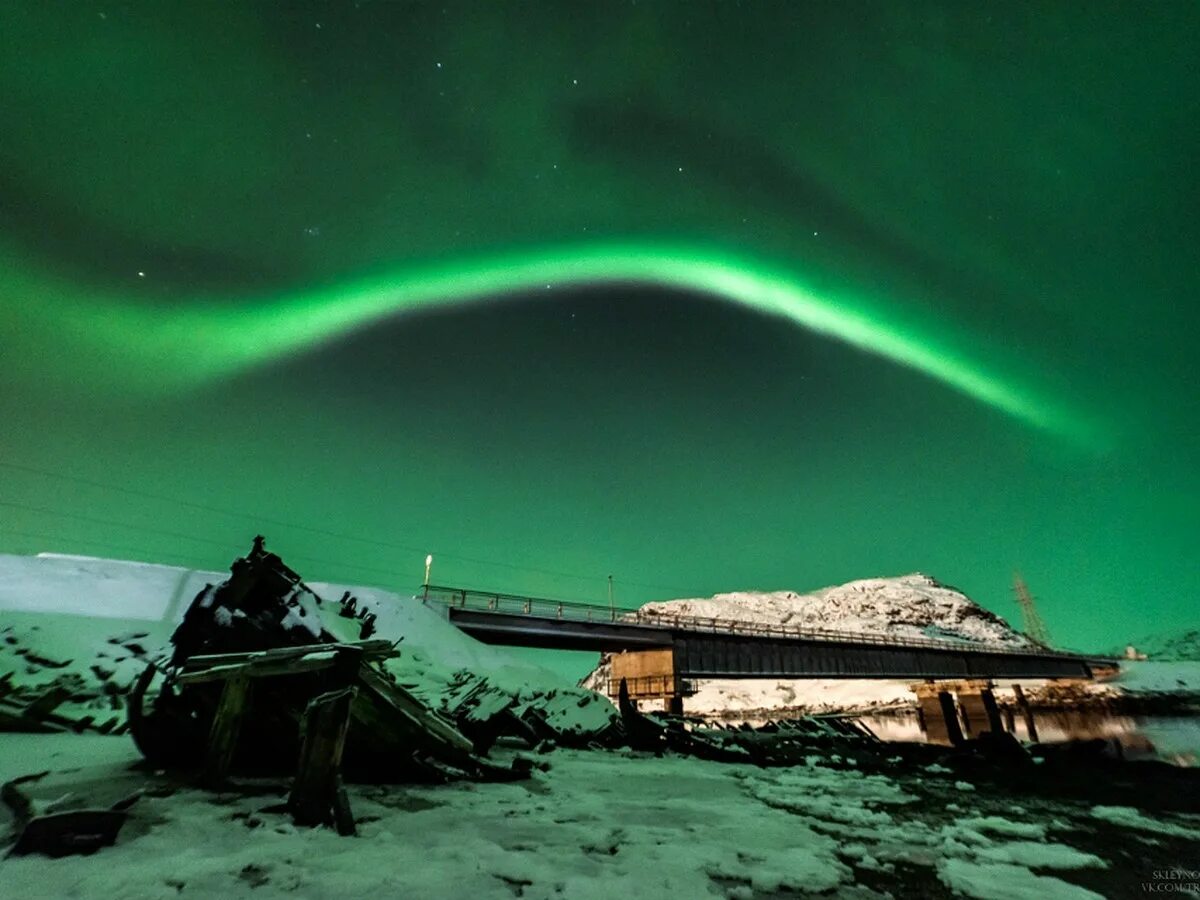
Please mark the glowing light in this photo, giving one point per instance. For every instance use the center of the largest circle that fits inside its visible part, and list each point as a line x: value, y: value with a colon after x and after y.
x: 156, y: 349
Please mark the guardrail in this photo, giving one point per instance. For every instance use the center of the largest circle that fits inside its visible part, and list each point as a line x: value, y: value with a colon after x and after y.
x: 541, y: 608
x: 643, y: 686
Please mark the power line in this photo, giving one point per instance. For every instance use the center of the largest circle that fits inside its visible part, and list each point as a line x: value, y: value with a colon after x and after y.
x: 261, y: 520
x: 121, y: 548
x: 224, y: 545
x: 97, y: 521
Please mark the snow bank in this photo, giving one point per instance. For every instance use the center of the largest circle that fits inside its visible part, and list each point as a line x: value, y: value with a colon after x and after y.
x: 1000, y: 881
x: 597, y: 825
x: 98, y: 588
x: 808, y: 694
x: 84, y: 611
x: 1153, y: 677
x: 1179, y: 646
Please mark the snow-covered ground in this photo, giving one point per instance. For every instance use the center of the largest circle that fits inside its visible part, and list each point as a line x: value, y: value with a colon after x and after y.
x: 1175, y: 646
x: 99, y: 588
x: 92, y: 611
x: 595, y: 826
x: 822, y: 695
x: 1153, y: 677
x: 116, y: 615
x: 78, y: 603
x: 814, y: 695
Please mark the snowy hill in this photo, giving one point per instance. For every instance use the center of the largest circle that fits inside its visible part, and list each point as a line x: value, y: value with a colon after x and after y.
x: 905, y: 606
x: 102, y: 620
x: 914, y: 606
x: 1180, y: 646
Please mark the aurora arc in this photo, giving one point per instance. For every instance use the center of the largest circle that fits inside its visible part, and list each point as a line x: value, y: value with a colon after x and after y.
x: 193, y: 346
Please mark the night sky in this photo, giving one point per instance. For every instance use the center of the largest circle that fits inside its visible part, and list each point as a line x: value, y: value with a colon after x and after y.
x: 707, y: 296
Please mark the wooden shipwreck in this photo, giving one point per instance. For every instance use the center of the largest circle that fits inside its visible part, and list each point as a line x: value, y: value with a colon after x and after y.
x: 257, y: 686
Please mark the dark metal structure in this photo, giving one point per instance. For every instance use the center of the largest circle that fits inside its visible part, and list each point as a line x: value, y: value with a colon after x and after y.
x: 720, y: 648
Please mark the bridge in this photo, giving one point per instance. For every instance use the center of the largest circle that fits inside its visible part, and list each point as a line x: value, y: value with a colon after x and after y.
x: 660, y: 655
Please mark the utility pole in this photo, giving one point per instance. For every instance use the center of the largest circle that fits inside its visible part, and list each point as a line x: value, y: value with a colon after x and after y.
x: 428, y: 566
x: 1034, y: 626
x: 612, y: 609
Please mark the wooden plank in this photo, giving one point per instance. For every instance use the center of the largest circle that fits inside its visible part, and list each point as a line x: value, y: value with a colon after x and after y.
x: 1026, y: 712
x: 397, y: 699
x: 343, y: 816
x: 314, y: 795
x: 46, y: 702
x: 313, y: 662
x: 226, y: 726
x: 372, y: 649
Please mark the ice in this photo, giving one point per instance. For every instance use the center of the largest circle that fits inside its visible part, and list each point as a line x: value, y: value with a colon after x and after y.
x: 1129, y: 817
x: 597, y: 825
x: 1002, y: 826
x: 1148, y: 676
x: 1000, y: 881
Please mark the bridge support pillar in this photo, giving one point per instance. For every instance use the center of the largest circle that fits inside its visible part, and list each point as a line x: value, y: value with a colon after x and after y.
x: 939, y: 714
x: 980, y: 712
x: 1026, y: 713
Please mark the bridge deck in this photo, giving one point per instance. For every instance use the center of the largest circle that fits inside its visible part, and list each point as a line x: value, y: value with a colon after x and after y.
x: 721, y: 648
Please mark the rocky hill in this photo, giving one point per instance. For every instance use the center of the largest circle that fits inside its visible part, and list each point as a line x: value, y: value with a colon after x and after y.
x: 905, y: 606
x: 1179, y: 646
x: 914, y: 605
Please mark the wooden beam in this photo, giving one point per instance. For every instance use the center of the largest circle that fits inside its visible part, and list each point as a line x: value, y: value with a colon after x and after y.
x: 397, y: 700
x: 313, y: 662
x: 373, y: 649
x: 314, y: 799
x: 226, y: 726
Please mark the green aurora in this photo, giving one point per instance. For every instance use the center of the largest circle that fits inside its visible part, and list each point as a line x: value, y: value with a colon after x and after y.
x: 707, y: 296
x: 161, y: 348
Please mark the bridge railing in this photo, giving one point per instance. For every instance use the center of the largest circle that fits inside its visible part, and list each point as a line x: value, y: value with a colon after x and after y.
x: 643, y: 686
x: 540, y: 608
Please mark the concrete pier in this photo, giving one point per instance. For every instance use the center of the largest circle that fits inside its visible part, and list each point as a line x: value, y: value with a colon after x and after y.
x: 1026, y: 712
x: 939, y: 714
x: 978, y: 704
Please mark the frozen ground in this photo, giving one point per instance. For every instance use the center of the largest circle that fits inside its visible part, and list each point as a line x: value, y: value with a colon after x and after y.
x: 596, y: 825
x: 817, y: 695
x: 1154, y: 677
x: 116, y: 615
